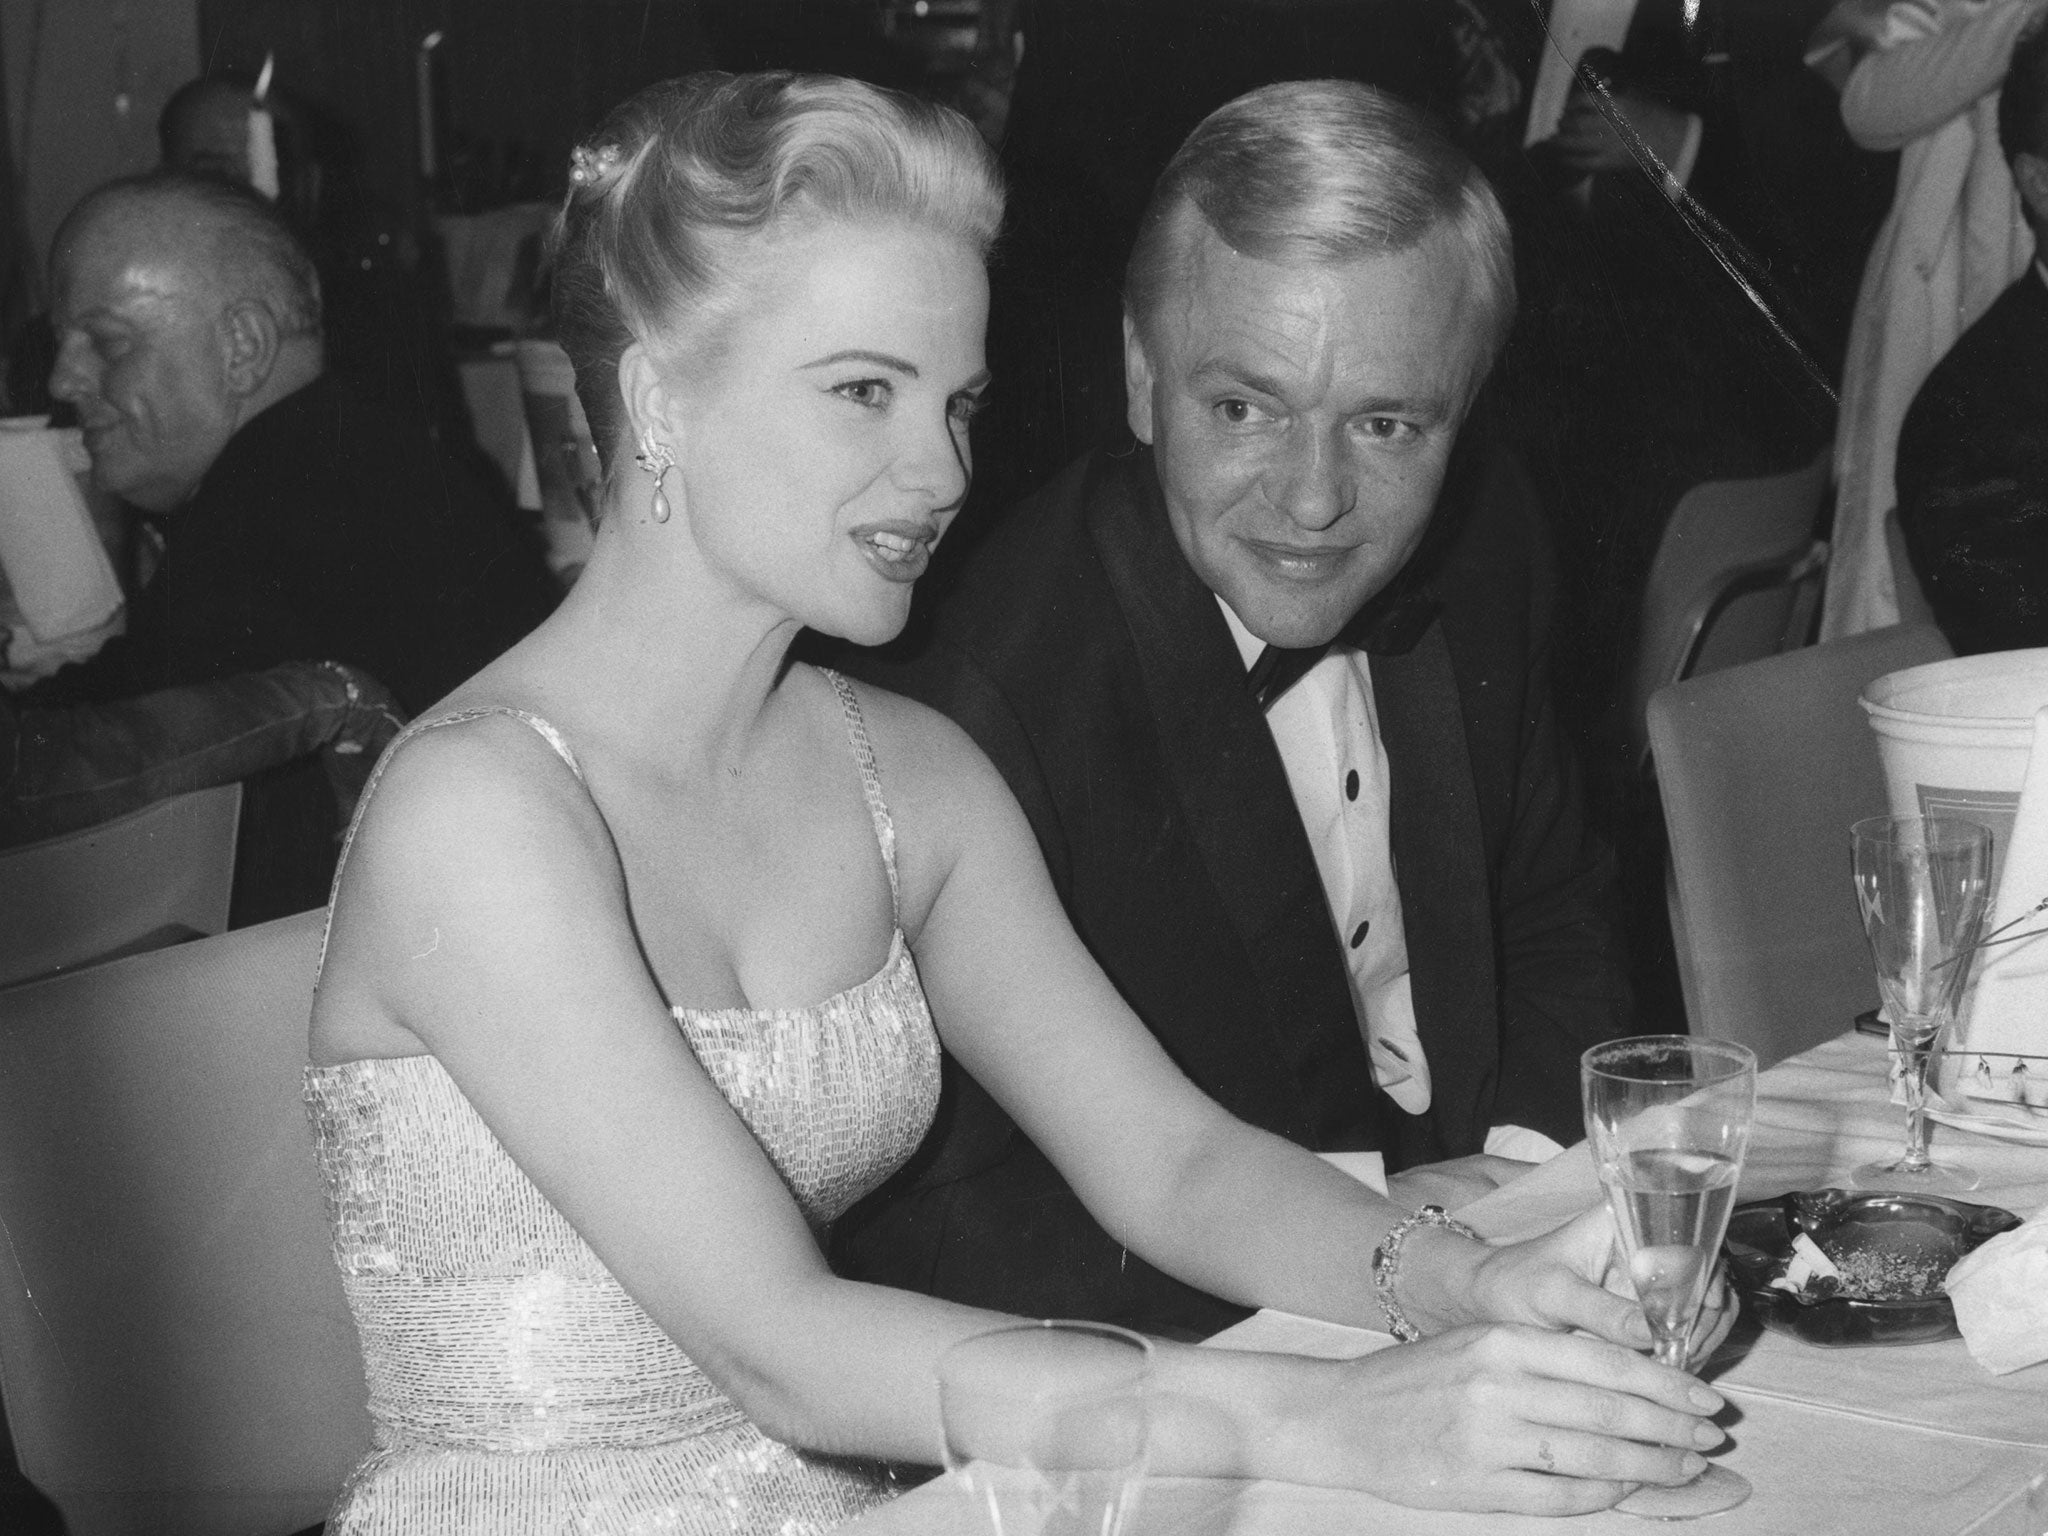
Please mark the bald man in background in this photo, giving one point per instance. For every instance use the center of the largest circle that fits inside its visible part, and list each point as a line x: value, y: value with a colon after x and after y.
x: 300, y: 521
x: 383, y: 319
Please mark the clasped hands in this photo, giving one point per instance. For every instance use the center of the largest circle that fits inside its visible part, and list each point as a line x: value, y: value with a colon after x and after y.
x: 1533, y: 1392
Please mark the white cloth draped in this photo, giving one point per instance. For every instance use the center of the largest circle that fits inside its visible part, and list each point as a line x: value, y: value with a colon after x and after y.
x: 1954, y: 241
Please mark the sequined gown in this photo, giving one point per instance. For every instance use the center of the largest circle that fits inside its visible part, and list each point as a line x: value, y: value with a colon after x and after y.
x: 514, y: 1386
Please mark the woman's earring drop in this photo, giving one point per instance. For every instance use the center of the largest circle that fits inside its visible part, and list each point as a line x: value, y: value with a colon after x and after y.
x: 655, y: 458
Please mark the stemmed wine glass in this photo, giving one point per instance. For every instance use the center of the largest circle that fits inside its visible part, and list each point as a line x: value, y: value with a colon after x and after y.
x: 1922, y: 882
x: 1047, y: 1426
x: 1667, y: 1118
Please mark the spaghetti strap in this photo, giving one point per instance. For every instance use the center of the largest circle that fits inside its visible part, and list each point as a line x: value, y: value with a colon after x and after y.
x: 546, y: 731
x: 870, y: 782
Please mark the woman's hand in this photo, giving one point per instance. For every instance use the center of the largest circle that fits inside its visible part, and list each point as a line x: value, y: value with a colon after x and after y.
x: 1512, y: 1418
x: 1718, y: 1310
x: 1573, y: 1278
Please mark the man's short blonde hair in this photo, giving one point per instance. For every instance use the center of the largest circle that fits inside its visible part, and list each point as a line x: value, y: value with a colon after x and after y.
x: 1321, y: 171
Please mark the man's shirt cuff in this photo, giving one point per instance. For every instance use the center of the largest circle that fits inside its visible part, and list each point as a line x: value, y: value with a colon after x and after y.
x: 1521, y: 1144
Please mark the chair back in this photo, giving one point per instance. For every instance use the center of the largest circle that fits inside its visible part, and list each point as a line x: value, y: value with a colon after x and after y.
x: 1737, y: 577
x: 155, y: 876
x: 175, y: 1352
x: 1762, y: 769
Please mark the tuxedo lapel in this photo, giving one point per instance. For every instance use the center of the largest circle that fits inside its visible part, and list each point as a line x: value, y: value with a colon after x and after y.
x: 1238, y: 811
x: 1438, y: 847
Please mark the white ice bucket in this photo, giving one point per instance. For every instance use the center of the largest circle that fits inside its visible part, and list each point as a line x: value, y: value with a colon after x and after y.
x: 1968, y: 738
x: 1955, y: 737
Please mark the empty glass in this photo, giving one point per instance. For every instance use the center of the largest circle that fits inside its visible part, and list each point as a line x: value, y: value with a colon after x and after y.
x: 1922, y: 883
x: 1047, y: 1426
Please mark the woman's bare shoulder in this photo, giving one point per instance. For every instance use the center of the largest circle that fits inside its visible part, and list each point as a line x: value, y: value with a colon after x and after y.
x: 950, y: 804
x: 477, y: 827
x: 455, y: 779
x: 923, y: 756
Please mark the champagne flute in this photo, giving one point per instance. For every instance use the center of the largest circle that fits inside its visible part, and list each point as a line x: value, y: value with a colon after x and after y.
x: 1668, y: 1117
x: 1922, y: 883
x: 1047, y: 1426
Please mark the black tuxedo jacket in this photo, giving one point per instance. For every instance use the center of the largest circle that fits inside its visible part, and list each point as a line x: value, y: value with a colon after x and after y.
x: 1084, y: 655
x: 1973, y: 477
x: 329, y: 529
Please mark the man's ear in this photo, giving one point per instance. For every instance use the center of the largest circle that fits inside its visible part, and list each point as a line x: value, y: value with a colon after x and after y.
x: 2030, y: 173
x: 1137, y: 382
x: 249, y: 342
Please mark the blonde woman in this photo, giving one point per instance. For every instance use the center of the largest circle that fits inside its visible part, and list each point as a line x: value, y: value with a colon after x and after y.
x: 648, y: 939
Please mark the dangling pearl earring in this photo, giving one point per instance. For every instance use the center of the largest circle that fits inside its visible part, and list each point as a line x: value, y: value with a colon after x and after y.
x: 655, y: 458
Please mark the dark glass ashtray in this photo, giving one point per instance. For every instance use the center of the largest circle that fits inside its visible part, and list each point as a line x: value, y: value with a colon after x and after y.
x: 1879, y: 1234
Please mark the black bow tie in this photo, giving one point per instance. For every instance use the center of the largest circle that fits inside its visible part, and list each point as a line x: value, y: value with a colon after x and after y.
x: 1387, y: 629
x: 1278, y: 669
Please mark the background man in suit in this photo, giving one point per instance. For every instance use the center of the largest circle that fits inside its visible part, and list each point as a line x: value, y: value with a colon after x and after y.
x: 1346, y: 884
x: 300, y: 521
x: 1973, y: 453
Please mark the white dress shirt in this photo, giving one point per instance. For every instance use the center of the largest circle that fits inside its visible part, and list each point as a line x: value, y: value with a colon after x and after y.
x: 1328, y: 734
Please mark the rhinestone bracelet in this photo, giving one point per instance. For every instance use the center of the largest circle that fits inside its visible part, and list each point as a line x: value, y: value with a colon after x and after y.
x: 1386, y: 1260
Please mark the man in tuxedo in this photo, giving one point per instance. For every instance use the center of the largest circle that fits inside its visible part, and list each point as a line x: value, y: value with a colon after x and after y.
x: 1272, y: 689
x: 1972, y: 469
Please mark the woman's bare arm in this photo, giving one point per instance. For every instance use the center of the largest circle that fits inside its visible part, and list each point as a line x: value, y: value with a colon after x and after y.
x: 1165, y: 1170
x: 1898, y: 94
x: 485, y: 911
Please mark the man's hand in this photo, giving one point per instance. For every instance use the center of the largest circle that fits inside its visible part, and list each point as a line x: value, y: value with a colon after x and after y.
x: 1454, y: 1182
x: 1587, y: 143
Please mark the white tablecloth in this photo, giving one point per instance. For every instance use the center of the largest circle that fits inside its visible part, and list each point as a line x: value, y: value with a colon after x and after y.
x: 1910, y: 1441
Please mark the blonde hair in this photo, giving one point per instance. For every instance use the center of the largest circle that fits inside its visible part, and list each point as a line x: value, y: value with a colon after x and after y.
x: 1321, y: 171
x: 665, y: 194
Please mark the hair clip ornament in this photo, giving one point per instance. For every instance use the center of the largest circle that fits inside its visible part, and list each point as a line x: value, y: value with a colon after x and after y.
x: 588, y: 167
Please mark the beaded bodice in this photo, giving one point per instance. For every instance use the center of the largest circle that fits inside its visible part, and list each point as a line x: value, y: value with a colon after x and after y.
x: 491, y: 1331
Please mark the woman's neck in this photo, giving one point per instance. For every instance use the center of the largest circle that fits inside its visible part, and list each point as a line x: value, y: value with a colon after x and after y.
x: 671, y: 661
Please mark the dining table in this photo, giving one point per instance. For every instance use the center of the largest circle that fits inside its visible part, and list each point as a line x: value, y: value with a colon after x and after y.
x: 1898, y: 1440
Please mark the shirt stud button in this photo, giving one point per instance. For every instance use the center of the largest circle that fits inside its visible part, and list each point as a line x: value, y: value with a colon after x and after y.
x: 1351, y: 785
x: 1358, y: 934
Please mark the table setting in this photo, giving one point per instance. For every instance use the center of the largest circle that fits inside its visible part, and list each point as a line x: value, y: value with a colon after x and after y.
x: 1887, y: 1232
x: 1907, y: 1440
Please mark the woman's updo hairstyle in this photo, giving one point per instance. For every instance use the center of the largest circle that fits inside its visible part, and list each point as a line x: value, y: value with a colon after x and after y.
x: 650, y: 244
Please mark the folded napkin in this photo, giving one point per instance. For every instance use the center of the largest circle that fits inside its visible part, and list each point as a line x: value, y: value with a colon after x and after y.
x: 2001, y: 1298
